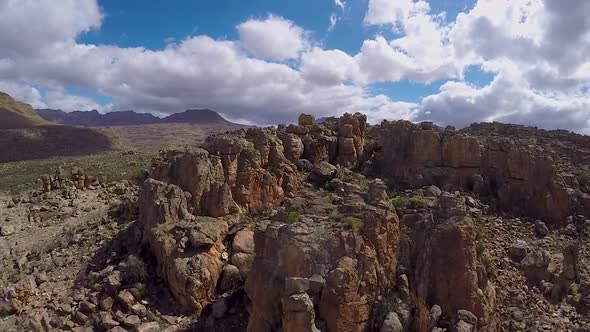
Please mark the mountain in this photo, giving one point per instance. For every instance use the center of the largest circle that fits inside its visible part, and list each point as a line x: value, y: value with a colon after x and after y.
x: 195, y: 116
x: 127, y: 118
x: 95, y: 119
x: 25, y: 135
x: 14, y: 114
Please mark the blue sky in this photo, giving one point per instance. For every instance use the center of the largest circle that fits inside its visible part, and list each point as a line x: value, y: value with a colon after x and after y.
x: 154, y: 24
x: 448, y: 61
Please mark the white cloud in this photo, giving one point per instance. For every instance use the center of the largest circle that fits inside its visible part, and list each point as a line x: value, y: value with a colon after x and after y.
x: 536, y: 50
x: 23, y: 92
x: 329, y: 67
x: 422, y: 51
x: 333, y: 20
x: 57, y: 98
x: 273, y: 38
x: 28, y: 26
x: 340, y: 3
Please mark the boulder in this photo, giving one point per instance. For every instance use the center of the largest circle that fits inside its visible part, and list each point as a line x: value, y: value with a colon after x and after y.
x: 322, y: 172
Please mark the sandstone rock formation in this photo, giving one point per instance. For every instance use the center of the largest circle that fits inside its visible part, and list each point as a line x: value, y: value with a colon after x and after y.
x: 522, y: 178
x: 318, y: 247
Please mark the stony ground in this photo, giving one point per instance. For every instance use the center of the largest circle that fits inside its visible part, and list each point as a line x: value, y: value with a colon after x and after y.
x: 522, y: 305
x: 71, y: 260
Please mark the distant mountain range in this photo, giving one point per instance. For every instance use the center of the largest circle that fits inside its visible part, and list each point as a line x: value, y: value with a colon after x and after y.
x: 127, y: 118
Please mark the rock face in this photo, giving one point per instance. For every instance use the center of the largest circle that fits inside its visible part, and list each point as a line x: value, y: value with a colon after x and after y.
x: 193, y: 198
x: 276, y: 218
x: 442, y: 261
x: 342, y: 265
x: 522, y: 178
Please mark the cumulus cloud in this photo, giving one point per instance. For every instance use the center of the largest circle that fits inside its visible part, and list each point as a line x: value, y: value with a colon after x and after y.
x: 57, y: 98
x: 536, y: 51
x: 273, y: 38
x: 28, y: 26
x: 340, y: 3
x: 23, y: 92
x: 329, y: 67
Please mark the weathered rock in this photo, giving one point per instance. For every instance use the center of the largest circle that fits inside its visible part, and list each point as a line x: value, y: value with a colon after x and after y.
x: 148, y: 327
x: 6, y: 230
x: 298, y: 314
x: 541, y: 229
x: 524, y: 178
x: 322, y: 172
x: 392, y: 323
x: 571, y: 254
x: 518, y: 250
x: 244, y: 242
x: 353, y: 277
x: 229, y: 277
x: 443, y: 259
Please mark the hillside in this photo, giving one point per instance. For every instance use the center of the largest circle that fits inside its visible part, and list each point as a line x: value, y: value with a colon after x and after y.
x: 24, y: 135
x: 128, y: 118
x: 14, y: 114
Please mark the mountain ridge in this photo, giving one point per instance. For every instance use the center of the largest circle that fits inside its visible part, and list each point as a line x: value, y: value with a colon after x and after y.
x: 128, y: 118
x: 15, y: 114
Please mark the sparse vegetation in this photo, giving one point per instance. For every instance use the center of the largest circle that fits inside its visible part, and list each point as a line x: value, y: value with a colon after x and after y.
x: 354, y: 223
x: 399, y: 202
x: 335, y: 216
x: 136, y: 270
x: 583, y: 178
x: 293, y: 217
x: 330, y: 186
x: 420, y: 202
x: 483, y: 255
x: 23, y: 175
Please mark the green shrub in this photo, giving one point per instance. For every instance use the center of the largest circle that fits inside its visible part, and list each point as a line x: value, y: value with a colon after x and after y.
x: 420, y: 202
x: 489, y: 265
x: 354, y: 223
x: 330, y: 186
x: 136, y: 270
x: 583, y: 178
x: 391, y: 194
x: 335, y: 216
x: 399, y: 202
x: 293, y: 217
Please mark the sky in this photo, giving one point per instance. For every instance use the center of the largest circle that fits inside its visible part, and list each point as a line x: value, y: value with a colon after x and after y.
x: 264, y: 62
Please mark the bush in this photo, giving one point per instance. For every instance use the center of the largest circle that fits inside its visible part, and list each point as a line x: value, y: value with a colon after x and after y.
x: 583, y: 178
x: 135, y: 270
x: 335, y: 216
x: 399, y: 202
x: 293, y: 217
x: 489, y: 265
x: 420, y: 202
x: 330, y: 186
x: 354, y: 223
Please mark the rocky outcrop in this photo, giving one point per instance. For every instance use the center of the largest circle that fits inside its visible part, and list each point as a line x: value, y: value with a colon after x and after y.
x: 521, y: 178
x: 341, y: 263
x: 193, y: 198
x: 440, y: 255
x: 76, y: 178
